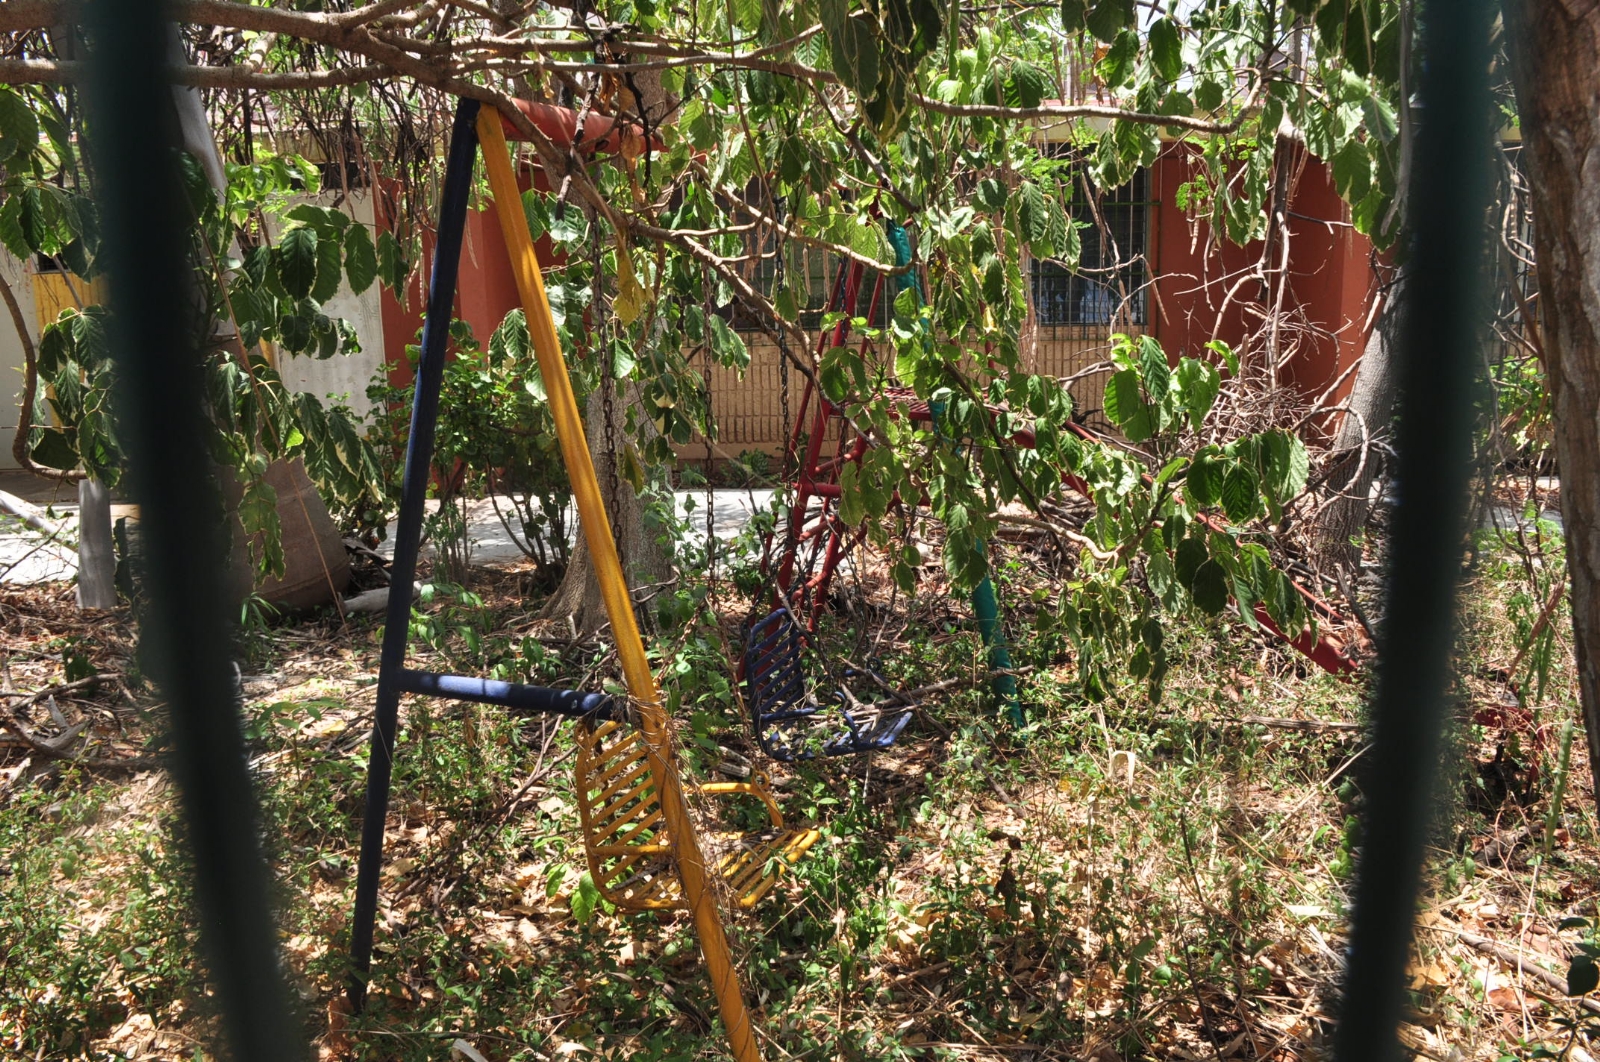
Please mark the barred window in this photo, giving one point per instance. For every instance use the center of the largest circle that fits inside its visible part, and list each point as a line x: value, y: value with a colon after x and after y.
x: 816, y: 287
x: 1109, y: 286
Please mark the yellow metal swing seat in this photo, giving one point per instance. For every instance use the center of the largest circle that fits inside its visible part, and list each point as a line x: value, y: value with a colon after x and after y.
x: 625, y: 830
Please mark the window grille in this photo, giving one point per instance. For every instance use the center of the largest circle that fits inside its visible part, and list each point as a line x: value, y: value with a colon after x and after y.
x: 1110, y: 285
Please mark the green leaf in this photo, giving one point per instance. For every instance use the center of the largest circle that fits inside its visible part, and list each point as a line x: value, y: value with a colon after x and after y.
x: 1123, y: 399
x: 852, y: 503
x: 1158, y: 568
x: 1188, y: 558
x: 1027, y: 85
x: 727, y: 345
x: 1352, y: 171
x: 1380, y: 118
x: 328, y: 268
x: 1203, y: 484
x: 929, y: 18
x: 1208, y: 95
x: 1153, y: 366
x: 392, y: 264
x: 1031, y: 212
x: 11, y: 228
x: 55, y: 349
x: 1225, y: 352
x: 1241, y: 493
x: 568, y: 226
x: 1118, y: 65
x: 1072, y: 13
x: 747, y: 15
x: 1198, y: 384
x: 324, y: 219
x: 1126, y: 407
x: 54, y: 450
x: 1583, y: 976
x: 1176, y: 103
x: 360, y: 259
x: 295, y: 332
x: 990, y: 195
x: 1283, y: 602
x: 1108, y: 17
x: 833, y: 376
x: 19, y: 131
x: 296, y: 260
x: 854, y: 47
x: 1286, y: 463
x: 89, y: 345
x: 37, y: 229
x: 994, y: 281
x: 1166, y: 49
x: 586, y: 900
x: 1210, y: 588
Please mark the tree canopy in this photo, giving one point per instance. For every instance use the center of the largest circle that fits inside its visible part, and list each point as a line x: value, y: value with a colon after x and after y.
x: 760, y: 133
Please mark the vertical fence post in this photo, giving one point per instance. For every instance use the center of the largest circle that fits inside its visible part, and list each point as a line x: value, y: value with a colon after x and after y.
x: 1442, y: 329
x: 155, y: 332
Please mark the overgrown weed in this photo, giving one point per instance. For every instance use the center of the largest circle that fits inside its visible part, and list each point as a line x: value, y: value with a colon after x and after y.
x: 1122, y: 878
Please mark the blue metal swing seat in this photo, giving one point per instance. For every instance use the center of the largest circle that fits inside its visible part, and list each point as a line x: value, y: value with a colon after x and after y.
x: 789, y: 722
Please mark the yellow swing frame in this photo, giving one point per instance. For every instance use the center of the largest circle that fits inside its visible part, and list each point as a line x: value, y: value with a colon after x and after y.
x: 629, y: 790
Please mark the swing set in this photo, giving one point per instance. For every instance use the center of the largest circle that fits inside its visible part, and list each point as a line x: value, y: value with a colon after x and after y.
x: 641, y: 844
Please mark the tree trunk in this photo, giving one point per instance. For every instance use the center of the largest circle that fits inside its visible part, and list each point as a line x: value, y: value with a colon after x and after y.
x: 97, y: 560
x: 1555, y: 67
x: 1366, y: 420
x: 644, y: 556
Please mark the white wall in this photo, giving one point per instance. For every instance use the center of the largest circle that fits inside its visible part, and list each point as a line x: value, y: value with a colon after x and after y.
x: 344, y: 377
x: 20, y: 278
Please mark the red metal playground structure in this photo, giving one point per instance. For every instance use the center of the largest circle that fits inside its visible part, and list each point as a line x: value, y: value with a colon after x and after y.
x: 806, y: 552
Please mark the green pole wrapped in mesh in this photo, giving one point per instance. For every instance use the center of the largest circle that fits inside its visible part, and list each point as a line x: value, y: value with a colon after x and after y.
x: 985, y: 603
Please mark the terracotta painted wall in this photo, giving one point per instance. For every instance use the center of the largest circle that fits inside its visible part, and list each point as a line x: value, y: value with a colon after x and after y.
x: 485, y: 289
x: 1330, y: 276
x: 1330, y: 279
x: 1193, y: 272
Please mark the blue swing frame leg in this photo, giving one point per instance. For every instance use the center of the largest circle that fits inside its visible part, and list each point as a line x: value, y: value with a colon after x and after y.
x: 394, y: 678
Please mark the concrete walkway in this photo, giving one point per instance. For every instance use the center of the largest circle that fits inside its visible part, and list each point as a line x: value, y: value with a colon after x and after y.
x: 492, y: 547
x: 27, y: 556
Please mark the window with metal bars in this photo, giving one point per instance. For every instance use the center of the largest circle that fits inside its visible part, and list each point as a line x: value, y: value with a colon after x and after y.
x: 1109, y: 287
x: 813, y: 273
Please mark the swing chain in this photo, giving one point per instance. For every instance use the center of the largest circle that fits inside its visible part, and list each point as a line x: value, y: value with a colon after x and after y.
x: 608, y: 384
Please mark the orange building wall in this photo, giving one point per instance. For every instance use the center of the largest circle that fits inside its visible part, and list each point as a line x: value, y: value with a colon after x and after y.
x: 485, y: 289
x: 1330, y: 276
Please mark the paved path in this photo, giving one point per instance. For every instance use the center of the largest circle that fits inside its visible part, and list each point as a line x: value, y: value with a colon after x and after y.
x: 26, y: 556
x: 492, y: 546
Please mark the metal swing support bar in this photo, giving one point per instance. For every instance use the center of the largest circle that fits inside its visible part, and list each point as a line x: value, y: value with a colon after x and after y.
x: 646, y: 699
x: 474, y: 126
x: 407, y: 541
x: 394, y: 678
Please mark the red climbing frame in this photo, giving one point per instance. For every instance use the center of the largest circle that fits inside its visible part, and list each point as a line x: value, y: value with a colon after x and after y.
x: 816, y: 537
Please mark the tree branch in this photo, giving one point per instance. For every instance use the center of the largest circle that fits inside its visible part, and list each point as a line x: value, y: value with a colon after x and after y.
x: 46, y: 72
x: 30, y: 389
x: 1085, y: 110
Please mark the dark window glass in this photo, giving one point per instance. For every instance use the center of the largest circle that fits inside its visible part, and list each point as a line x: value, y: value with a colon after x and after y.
x: 1109, y: 286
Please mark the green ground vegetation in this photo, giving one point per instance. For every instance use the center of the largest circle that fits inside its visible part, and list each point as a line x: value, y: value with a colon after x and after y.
x: 1122, y: 880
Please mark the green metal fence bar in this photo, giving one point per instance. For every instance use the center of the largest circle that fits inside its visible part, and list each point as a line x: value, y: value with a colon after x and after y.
x: 1442, y: 331
x: 156, y: 338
